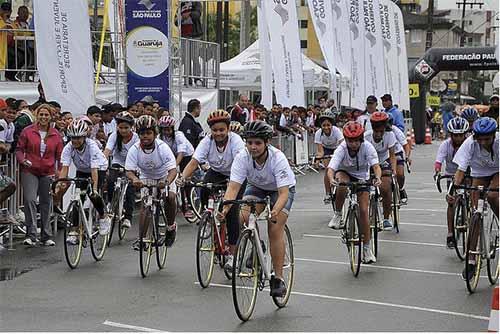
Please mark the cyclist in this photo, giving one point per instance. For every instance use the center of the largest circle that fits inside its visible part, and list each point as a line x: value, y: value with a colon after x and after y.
x: 480, y: 153
x: 182, y: 149
x: 118, y: 146
x: 351, y: 162
x: 457, y: 127
x: 402, y: 151
x: 385, y: 145
x: 327, y: 139
x: 269, y: 174
x: 470, y: 114
x: 155, y: 162
x: 219, y: 150
x: 84, y: 153
x: 236, y: 127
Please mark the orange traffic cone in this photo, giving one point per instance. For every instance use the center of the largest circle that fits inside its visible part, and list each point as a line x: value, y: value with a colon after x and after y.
x: 428, y: 137
x: 493, y: 326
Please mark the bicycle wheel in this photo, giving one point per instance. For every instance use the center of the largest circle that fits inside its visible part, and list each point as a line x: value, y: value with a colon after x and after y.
x: 195, y: 201
x: 492, y: 260
x: 288, y: 270
x: 160, y: 231
x: 245, y: 277
x: 98, y: 242
x: 146, y: 247
x: 73, y: 250
x: 205, y: 250
x: 374, y: 222
x: 460, y: 228
x: 395, y: 205
x: 473, y: 253
x: 121, y: 230
x: 114, y: 220
x: 353, y: 240
x: 225, y: 250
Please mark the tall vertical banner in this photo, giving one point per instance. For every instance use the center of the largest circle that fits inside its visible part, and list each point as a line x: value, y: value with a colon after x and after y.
x: 266, y: 66
x: 391, y: 61
x: 322, y: 17
x: 341, y: 36
x: 374, y: 49
x: 65, y: 61
x: 399, y: 34
x: 286, y: 56
x: 147, y: 47
x: 357, y: 31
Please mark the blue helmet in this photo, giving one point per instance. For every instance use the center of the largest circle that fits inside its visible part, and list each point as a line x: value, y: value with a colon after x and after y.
x: 470, y: 114
x: 458, y: 125
x: 484, y: 126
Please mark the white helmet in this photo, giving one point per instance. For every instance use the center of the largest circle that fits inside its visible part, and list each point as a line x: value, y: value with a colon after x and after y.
x: 78, y: 128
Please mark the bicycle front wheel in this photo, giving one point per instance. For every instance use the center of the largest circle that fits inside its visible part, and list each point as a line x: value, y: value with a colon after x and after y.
x: 195, y: 201
x: 288, y: 269
x: 205, y: 250
x: 473, y: 253
x: 460, y: 228
x: 146, y: 247
x: 395, y: 205
x: 492, y: 259
x: 98, y: 242
x: 354, y: 240
x: 374, y: 222
x: 160, y: 232
x: 73, y: 236
x: 245, y: 276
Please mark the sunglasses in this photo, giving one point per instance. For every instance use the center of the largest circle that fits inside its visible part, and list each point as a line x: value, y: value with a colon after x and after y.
x: 255, y: 142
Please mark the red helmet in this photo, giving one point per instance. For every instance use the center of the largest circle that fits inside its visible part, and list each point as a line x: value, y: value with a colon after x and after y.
x: 353, y: 130
x: 379, y: 116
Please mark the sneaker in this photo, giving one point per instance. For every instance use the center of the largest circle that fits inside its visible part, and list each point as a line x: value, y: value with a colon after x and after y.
x: 28, y: 242
x: 278, y: 287
x: 336, y: 221
x: 49, y: 243
x: 387, y: 225
x: 104, y: 226
x: 472, y: 269
x: 450, y: 242
x: 327, y: 200
x: 228, y: 266
x: 170, y: 235
x: 368, y: 256
x: 72, y: 238
x: 403, y: 196
x: 126, y: 223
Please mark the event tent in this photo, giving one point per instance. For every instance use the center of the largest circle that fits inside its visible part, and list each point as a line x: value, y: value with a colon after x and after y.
x: 243, y: 72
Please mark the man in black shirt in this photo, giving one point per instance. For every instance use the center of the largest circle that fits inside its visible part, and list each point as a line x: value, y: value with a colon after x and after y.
x: 189, y: 126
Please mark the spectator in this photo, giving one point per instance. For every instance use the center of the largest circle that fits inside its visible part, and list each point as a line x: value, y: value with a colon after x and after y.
x: 38, y: 152
x: 190, y: 19
x: 56, y: 107
x: 258, y: 113
x: 311, y: 119
x: 5, y: 23
x: 322, y: 102
x: 397, y: 115
x: 240, y: 111
x: 108, y: 121
x: 148, y: 109
x: 133, y: 110
x: 24, y: 119
x: 7, y: 128
x: 274, y: 117
x: 94, y: 114
x: 140, y: 107
x: 62, y: 125
x: 20, y: 54
x: 364, y: 117
x: 493, y: 109
x: 330, y: 103
x: 317, y: 111
x: 7, y: 185
x: 189, y: 126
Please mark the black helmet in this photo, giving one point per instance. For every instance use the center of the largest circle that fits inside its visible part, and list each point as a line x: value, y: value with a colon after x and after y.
x: 257, y: 129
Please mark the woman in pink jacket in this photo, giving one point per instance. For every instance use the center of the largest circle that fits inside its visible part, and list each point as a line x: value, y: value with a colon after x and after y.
x: 38, y: 152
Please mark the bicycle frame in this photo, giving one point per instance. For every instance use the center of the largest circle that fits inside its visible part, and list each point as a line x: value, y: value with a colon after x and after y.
x: 76, y: 197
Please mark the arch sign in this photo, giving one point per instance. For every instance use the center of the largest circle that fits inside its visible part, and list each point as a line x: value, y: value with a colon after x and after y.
x: 436, y: 60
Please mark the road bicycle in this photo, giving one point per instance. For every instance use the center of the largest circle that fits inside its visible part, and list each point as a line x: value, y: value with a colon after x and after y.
x: 482, y: 240
x: 211, y: 240
x: 116, y: 205
x: 153, y: 241
x: 252, y: 268
x: 375, y: 214
x: 462, y: 209
x: 81, y: 223
x: 396, y: 202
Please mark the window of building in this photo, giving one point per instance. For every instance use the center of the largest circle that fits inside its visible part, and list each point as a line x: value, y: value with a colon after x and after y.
x: 303, y: 44
x: 303, y: 24
x: 415, y: 36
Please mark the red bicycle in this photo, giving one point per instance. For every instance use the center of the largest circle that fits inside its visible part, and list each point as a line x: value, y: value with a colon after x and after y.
x: 211, y: 241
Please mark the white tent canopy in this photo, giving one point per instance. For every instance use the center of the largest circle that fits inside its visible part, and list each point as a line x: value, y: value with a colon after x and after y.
x: 243, y: 72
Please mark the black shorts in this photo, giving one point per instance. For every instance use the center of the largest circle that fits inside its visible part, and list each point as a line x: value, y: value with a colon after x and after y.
x: 354, y: 179
x: 486, y: 179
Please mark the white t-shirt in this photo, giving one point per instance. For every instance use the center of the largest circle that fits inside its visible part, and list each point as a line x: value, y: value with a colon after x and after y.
x: 274, y: 174
x: 7, y: 134
x: 445, y: 153
x: 283, y: 121
x: 364, y: 119
x: 91, y: 157
x: 382, y: 147
x: 357, y: 166
x: 219, y: 161
x: 330, y: 142
x: 180, y: 144
x: 481, y: 162
x: 400, y: 139
x: 110, y: 127
x: 43, y: 146
x: 154, y: 165
x: 119, y: 157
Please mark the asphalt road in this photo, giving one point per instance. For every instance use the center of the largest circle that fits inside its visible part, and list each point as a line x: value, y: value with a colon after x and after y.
x: 414, y: 286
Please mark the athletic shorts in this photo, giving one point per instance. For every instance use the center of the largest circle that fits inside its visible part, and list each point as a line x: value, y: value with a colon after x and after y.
x: 253, y: 192
x: 354, y: 179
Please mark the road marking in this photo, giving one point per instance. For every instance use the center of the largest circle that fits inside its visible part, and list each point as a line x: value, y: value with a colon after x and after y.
x: 423, y: 209
x: 136, y: 328
x: 372, y: 302
x: 387, y: 267
x: 380, y: 240
x: 426, y: 225
x: 402, y: 210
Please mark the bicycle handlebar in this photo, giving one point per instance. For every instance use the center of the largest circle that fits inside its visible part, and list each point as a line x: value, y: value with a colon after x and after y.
x: 439, y: 178
x: 208, y: 185
x: 250, y: 202
x: 71, y: 180
x: 476, y: 188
